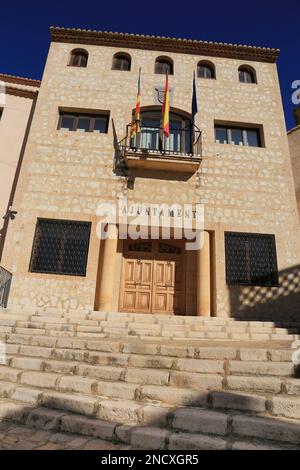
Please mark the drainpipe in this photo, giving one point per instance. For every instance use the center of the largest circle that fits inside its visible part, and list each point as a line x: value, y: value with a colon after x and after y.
x: 10, y: 214
x: 297, y: 115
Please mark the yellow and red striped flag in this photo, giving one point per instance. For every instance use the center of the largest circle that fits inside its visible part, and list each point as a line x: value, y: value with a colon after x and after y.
x: 135, y: 125
x: 166, y: 110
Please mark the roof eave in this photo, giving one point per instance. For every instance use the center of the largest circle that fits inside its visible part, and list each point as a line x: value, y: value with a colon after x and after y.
x: 158, y: 43
x: 19, y: 80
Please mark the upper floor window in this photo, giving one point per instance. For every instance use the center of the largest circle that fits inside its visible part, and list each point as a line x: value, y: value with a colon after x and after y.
x: 238, y: 136
x: 121, y: 61
x: 79, y: 58
x: 247, y: 74
x: 206, y: 70
x: 81, y: 122
x: 164, y: 65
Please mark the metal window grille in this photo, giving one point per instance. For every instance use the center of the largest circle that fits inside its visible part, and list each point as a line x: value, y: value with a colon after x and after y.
x: 60, y: 247
x: 5, y: 282
x: 251, y: 259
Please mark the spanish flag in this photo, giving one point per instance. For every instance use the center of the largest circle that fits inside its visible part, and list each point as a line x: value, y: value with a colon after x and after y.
x: 135, y: 125
x: 166, y: 110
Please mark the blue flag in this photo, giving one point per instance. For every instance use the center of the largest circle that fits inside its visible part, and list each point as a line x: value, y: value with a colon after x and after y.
x: 194, y: 101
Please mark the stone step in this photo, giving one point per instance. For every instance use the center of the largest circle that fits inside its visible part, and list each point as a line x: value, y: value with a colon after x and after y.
x: 50, y: 312
x: 164, y: 367
x: 142, y: 388
x: 235, y: 432
x: 139, y: 320
x: 177, y: 382
x: 151, y: 330
x: 113, y: 378
x: 190, y: 337
x: 98, y: 326
x: 193, y: 419
x: 270, y: 351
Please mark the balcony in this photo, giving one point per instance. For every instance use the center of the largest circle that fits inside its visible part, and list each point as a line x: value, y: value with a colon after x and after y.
x: 150, y: 149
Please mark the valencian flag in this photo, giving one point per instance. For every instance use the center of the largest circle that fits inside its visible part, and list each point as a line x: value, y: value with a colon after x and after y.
x: 166, y: 110
x: 135, y: 125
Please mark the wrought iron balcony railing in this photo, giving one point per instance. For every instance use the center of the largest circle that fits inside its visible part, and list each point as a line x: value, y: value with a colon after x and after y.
x: 186, y: 142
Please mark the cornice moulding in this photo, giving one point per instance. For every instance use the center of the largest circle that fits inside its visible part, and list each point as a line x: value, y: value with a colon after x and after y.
x: 21, y: 92
x: 19, y: 80
x: 161, y: 43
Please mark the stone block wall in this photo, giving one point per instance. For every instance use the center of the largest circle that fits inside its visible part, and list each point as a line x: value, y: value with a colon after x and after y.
x: 294, y: 143
x: 65, y: 174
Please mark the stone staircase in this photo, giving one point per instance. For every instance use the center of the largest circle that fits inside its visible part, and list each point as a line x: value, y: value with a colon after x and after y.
x: 152, y: 381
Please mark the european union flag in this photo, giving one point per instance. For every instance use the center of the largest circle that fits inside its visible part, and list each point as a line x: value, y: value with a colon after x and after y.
x: 194, y: 101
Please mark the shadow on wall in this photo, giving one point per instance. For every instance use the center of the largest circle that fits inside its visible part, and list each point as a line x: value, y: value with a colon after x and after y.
x: 268, y: 303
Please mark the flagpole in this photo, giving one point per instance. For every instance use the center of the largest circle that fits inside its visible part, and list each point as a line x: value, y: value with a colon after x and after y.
x: 135, y: 128
x: 166, y: 109
x: 194, y: 109
x: 138, y: 116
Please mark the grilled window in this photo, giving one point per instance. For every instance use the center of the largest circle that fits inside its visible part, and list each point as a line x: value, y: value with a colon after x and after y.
x: 60, y: 247
x: 83, y: 122
x: 250, y: 137
x: 142, y: 246
x: 250, y: 259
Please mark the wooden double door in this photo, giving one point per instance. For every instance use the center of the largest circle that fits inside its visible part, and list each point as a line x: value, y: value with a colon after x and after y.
x: 153, y: 277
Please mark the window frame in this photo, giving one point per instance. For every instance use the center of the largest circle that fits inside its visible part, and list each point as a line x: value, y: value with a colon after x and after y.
x: 77, y: 115
x: 274, y: 281
x: 34, y: 270
x: 124, y: 57
x: 249, y: 70
x: 82, y: 53
x: 164, y: 60
x: 207, y: 65
x: 244, y: 129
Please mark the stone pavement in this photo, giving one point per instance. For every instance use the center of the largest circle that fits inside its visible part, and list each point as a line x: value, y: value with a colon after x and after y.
x: 18, y: 437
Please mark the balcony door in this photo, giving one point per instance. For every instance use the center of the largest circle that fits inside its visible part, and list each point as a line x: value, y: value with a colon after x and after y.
x: 152, y: 138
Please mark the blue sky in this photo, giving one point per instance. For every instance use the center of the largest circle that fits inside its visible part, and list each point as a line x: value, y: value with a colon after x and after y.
x: 24, y: 28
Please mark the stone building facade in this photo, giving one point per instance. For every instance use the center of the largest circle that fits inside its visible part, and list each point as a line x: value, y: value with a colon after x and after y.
x: 17, y: 101
x: 294, y: 143
x: 241, y: 173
